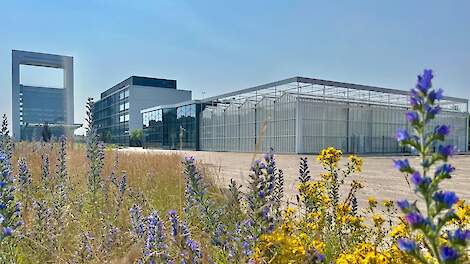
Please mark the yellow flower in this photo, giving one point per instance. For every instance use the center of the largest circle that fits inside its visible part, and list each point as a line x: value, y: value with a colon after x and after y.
x: 388, y: 203
x: 356, y: 185
x: 399, y: 231
x: 329, y: 157
x: 326, y: 175
x: 365, y: 253
x: 419, y: 237
x: 313, y: 215
x: 463, y: 213
x: 314, y: 192
x: 283, y: 247
x: 289, y: 212
x: 344, y: 208
x: 378, y: 219
x: 356, y: 163
x: 372, y: 201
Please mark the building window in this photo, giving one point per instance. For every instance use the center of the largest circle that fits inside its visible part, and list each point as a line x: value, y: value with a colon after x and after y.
x: 121, y: 107
x: 124, y: 94
x: 126, y: 106
x: 121, y: 119
x: 126, y: 118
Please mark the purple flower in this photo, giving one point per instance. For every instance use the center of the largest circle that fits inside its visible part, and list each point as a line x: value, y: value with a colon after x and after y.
x: 432, y: 111
x: 402, y: 135
x: 412, y: 117
x: 414, y: 219
x: 246, y: 248
x: 436, y: 94
x: 446, y: 151
x: 193, y: 245
x: 406, y: 245
x: 320, y: 257
x: 265, y: 212
x: 7, y: 231
x: 446, y: 198
x: 261, y: 194
x: 424, y: 81
x: 445, y: 169
x: 442, y: 131
x: 403, y: 204
x: 137, y: 221
x: 414, y: 101
x: 459, y: 236
x: 448, y: 254
x: 174, y: 222
x: 402, y: 165
x: 418, y: 180
x: 189, y: 159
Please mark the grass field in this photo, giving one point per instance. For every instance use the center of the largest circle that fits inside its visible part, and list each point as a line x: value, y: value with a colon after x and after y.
x: 152, y: 181
x: 381, y: 180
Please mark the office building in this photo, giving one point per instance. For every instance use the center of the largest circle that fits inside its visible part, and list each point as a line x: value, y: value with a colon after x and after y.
x: 300, y: 115
x: 117, y: 113
x: 34, y: 107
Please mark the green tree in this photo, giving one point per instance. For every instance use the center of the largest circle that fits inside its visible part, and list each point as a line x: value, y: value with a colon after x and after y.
x: 46, y: 133
x: 136, y: 138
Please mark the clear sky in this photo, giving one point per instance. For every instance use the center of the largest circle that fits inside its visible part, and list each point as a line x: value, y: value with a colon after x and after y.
x: 219, y: 46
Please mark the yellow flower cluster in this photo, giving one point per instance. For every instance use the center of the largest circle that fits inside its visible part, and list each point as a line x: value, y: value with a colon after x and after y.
x: 399, y: 231
x: 279, y: 247
x: 326, y: 175
x: 366, y: 253
x: 314, y: 191
x: 344, y: 216
x: 463, y: 213
x: 378, y: 219
x: 372, y: 202
x: 356, y: 163
x: 388, y: 203
x: 287, y: 244
x: 329, y: 157
x: 356, y: 185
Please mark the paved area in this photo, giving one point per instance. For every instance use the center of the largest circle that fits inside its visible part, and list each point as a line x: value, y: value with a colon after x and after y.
x: 381, y: 180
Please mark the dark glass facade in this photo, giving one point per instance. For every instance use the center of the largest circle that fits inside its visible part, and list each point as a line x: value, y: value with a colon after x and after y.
x: 40, y: 106
x: 172, y: 127
x: 112, y: 118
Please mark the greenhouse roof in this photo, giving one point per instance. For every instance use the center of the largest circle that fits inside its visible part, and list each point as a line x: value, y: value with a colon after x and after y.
x: 329, y: 91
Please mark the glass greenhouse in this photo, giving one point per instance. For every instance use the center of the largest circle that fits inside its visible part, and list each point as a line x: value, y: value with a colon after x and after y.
x: 304, y: 115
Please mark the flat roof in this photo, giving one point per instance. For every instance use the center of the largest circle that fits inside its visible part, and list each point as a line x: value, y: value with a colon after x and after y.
x: 141, y: 81
x: 170, y: 106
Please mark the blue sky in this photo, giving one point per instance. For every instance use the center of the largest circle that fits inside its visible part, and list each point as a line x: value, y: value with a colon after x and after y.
x: 219, y: 46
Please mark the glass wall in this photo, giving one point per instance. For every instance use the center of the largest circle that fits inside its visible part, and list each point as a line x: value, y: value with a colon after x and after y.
x: 250, y: 127
x: 112, y: 118
x: 298, y: 124
x: 171, y: 128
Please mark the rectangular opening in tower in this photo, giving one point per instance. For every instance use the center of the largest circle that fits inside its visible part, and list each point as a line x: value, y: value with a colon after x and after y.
x: 39, y: 76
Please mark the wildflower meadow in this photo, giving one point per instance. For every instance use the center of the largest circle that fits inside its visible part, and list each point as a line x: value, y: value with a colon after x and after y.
x: 63, y: 202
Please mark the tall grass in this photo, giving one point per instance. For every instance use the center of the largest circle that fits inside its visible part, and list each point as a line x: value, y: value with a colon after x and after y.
x: 153, y: 181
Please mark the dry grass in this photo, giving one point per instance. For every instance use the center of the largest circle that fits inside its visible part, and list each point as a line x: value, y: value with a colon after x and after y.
x: 155, y: 182
x: 158, y: 177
